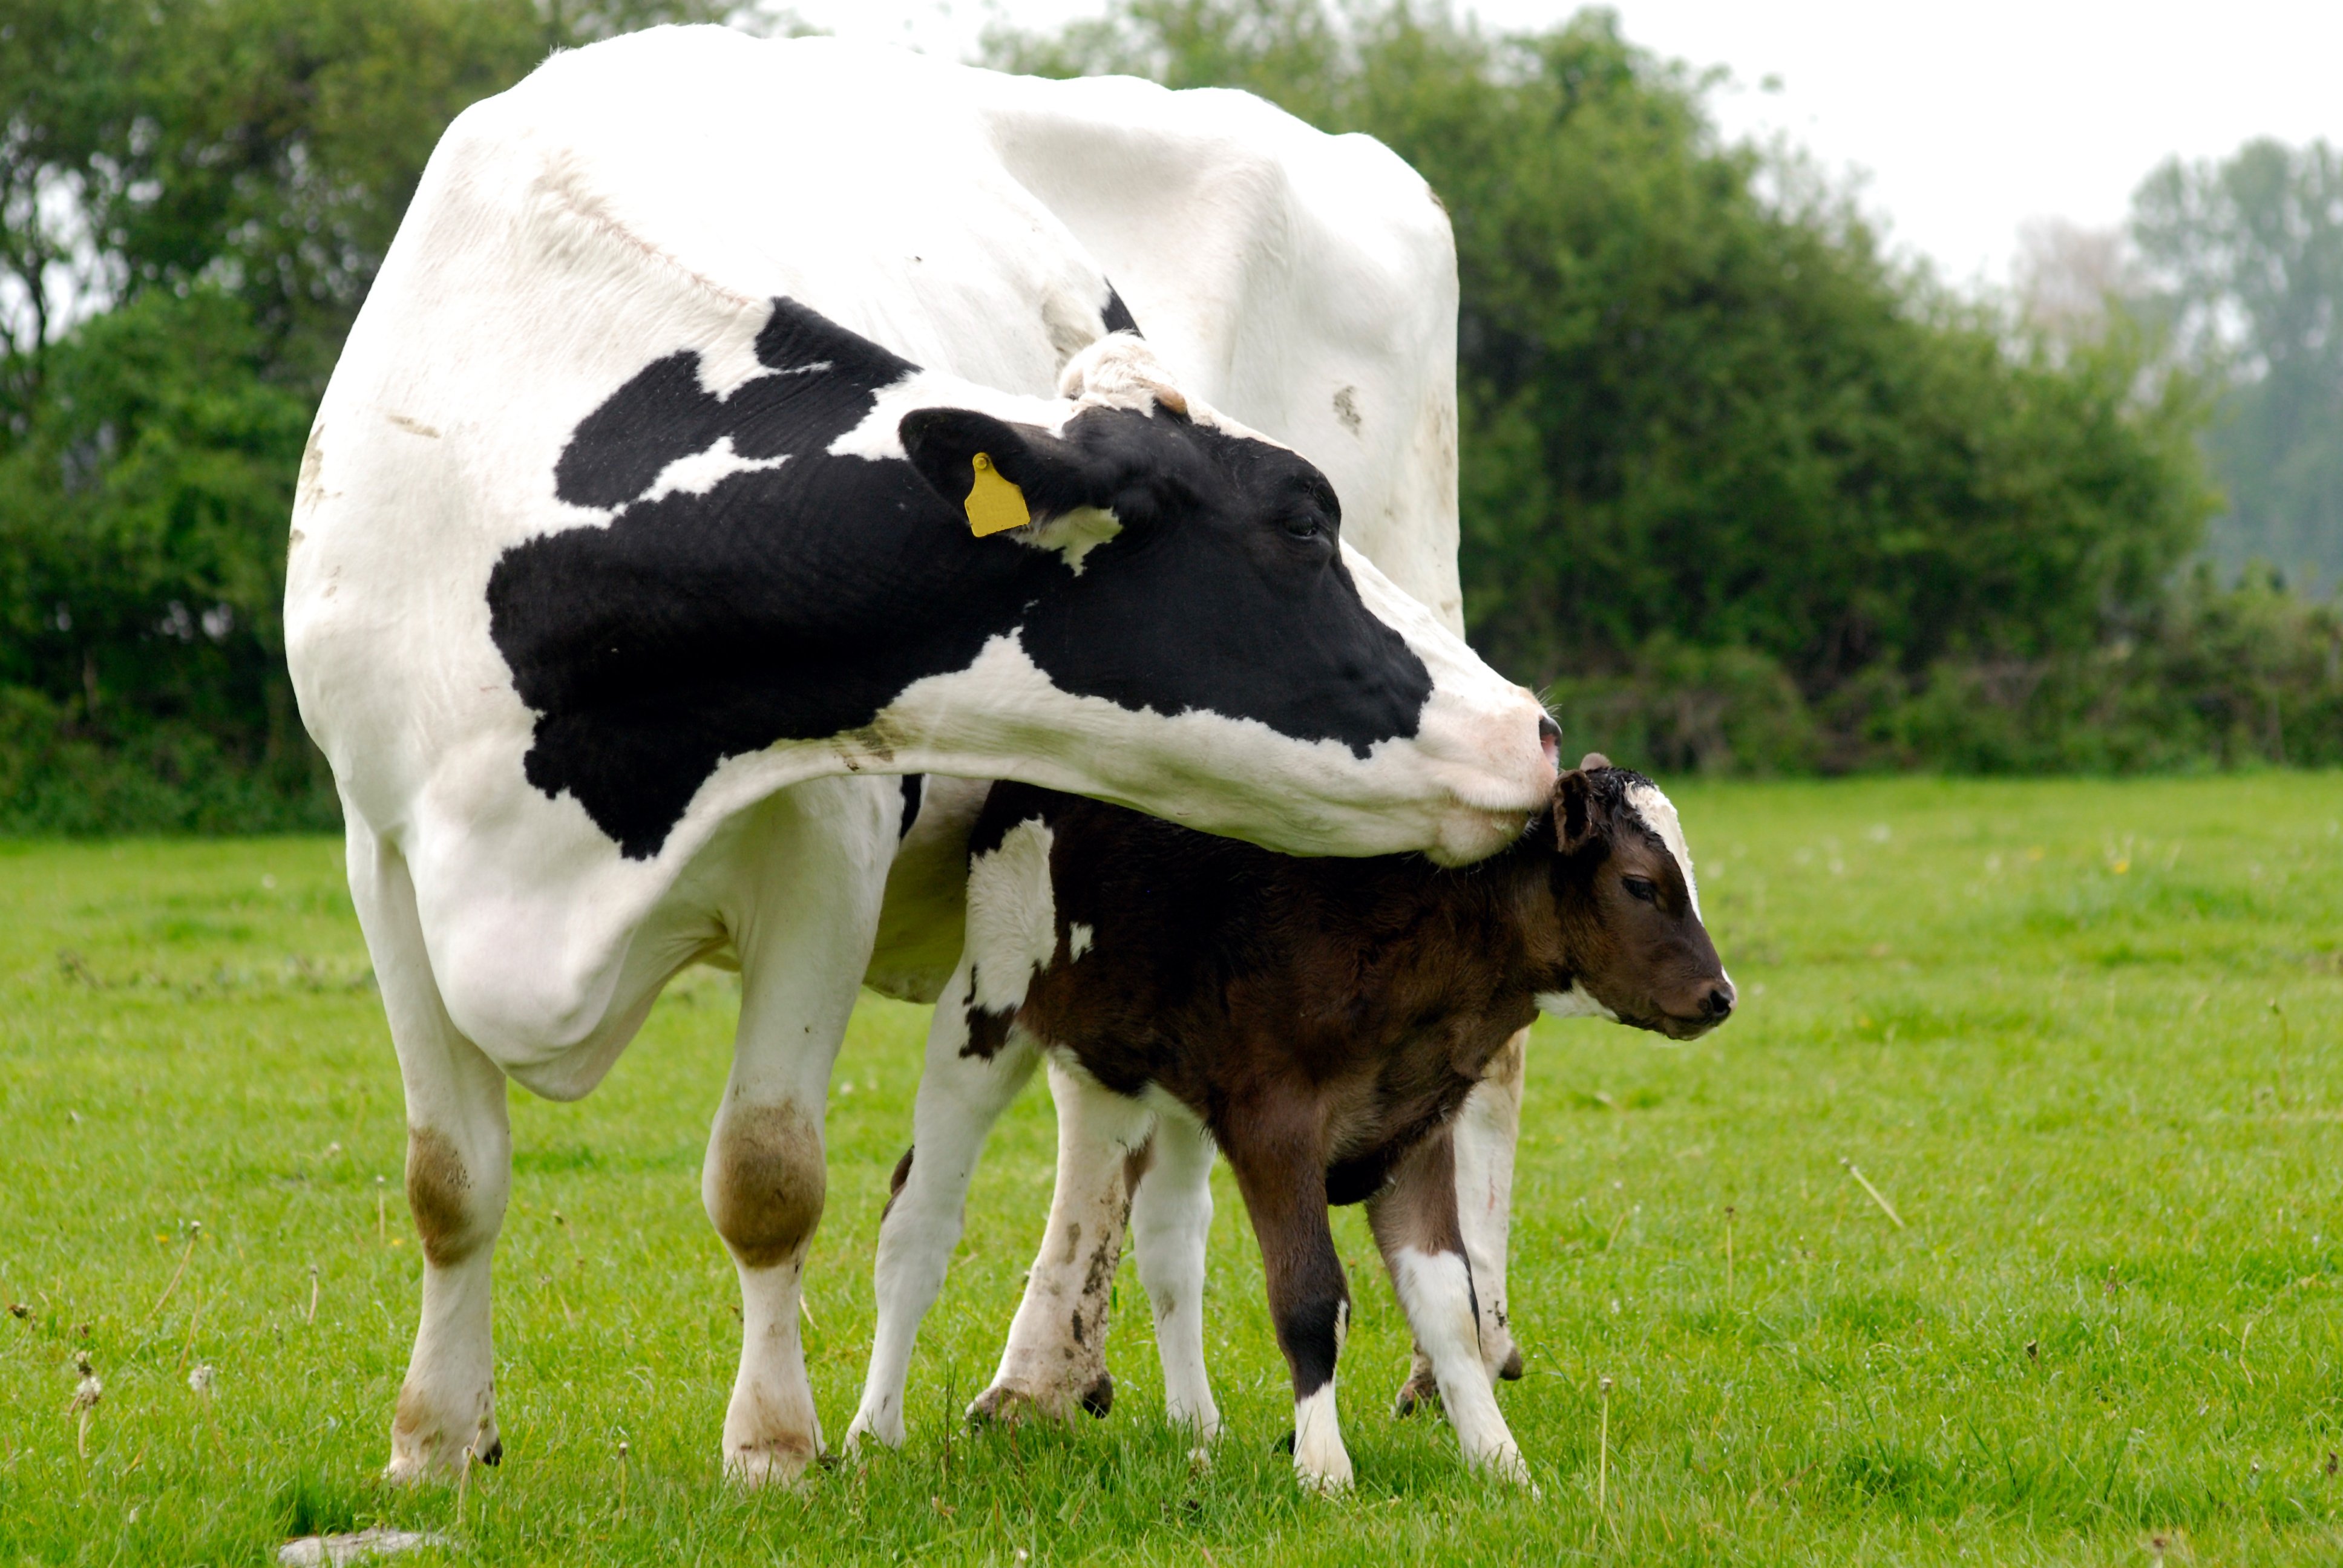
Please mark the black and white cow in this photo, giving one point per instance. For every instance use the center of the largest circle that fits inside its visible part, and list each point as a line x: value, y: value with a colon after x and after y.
x: 648, y: 515
x: 1318, y: 1021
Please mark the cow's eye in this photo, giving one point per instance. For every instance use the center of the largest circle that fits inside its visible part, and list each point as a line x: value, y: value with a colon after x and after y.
x: 1640, y: 888
x: 1301, y: 525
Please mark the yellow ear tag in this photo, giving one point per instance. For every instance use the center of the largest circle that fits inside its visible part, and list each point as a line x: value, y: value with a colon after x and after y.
x: 994, y: 505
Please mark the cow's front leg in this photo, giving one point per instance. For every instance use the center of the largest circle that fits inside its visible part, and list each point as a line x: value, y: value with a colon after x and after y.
x: 963, y: 1093
x: 1170, y: 1225
x: 1415, y: 1222
x: 1281, y: 1170
x: 459, y: 1170
x: 1485, y: 1131
x: 803, y: 923
x: 1055, y: 1361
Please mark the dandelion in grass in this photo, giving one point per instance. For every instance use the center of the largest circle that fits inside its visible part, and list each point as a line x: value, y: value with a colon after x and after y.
x: 87, y: 1394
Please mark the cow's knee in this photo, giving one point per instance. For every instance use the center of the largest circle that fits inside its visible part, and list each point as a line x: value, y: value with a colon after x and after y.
x: 458, y: 1204
x: 765, y: 1182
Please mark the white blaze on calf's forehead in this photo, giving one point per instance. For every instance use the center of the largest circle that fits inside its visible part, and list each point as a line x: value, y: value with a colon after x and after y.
x: 1658, y: 810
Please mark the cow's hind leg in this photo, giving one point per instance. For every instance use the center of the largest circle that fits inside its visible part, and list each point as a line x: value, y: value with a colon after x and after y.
x: 1055, y: 1361
x: 1415, y: 1222
x: 459, y: 1170
x: 1170, y: 1224
x: 962, y: 1092
x: 803, y: 919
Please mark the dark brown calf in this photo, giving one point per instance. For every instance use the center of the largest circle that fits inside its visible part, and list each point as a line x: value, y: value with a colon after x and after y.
x: 1318, y: 1020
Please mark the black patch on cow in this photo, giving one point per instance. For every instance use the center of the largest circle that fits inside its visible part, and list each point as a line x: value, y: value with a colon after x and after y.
x: 1117, y: 315
x: 796, y: 602
x: 912, y: 785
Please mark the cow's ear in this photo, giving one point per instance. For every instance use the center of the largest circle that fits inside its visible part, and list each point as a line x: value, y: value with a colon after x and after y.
x: 1573, y: 811
x: 996, y: 473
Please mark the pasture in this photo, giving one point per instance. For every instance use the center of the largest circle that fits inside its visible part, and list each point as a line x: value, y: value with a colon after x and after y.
x: 2081, y: 1038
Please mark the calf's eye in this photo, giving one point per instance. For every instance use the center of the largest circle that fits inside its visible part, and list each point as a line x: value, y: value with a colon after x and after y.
x: 1640, y: 888
x: 1301, y: 525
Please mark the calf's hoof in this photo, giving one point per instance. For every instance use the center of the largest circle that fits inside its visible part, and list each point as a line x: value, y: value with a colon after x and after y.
x: 874, y: 1434
x: 1329, y: 1477
x: 1510, y: 1370
x: 1506, y: 1464
x: 1099, y: 1398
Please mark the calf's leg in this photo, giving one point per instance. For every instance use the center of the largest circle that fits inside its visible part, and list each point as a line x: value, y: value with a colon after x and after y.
x: 803, y: 919
x: 1415, y: 1222
x: 1487, y: 1130
x: 1055, y: 1361
x: 961, y: 1095
x: 1281, y: 1170
x: 1171, y: 1222
x: 459, y: 1170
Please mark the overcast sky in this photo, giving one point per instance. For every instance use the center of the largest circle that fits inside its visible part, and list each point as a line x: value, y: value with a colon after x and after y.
x: 1965, y: 120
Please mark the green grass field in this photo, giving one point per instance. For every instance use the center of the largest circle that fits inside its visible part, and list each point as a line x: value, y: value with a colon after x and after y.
x: 2081, y: 1036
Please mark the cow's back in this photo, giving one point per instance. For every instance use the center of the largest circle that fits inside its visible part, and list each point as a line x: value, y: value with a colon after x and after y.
x: 1305, y: 282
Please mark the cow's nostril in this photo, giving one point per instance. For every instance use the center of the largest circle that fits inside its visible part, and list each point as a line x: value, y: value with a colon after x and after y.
x: 1717, y: 1003
x: 1550, y: 741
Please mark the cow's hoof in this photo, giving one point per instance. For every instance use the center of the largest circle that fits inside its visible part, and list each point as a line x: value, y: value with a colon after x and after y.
x: 1099, y: 1398
x: 1420, y: 1392
x: 405, y: 1470
x: 780, y: 1462
x: 1511, y: 1371
x: 1003, y: 1405
x: 417, y: 1463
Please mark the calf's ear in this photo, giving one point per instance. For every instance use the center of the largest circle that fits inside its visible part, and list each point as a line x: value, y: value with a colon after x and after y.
x: 996, y: 473
x: 1573, y: 811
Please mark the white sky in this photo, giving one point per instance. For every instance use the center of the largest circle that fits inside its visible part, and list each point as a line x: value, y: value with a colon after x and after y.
x: 1965, y: 120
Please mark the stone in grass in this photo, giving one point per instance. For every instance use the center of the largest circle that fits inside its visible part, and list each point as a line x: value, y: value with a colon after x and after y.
x: 331, y: 1551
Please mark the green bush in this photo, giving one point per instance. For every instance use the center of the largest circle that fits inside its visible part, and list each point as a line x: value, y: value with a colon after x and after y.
x: 1745, y: 495
x: 1742, y: 494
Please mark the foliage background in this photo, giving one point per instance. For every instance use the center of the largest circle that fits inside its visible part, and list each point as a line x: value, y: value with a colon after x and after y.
x: 1744, y: 493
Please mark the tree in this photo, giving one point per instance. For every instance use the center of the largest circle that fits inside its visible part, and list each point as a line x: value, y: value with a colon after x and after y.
x: 2247, y: 257
x: 193, y: 198
x: 1701, y: 410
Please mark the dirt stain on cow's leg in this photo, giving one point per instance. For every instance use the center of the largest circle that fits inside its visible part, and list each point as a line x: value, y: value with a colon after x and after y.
x: 438, y: 1194
x: 767, y: 1183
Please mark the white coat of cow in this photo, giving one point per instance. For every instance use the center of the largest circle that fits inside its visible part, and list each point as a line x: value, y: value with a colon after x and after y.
x: 642, y: 465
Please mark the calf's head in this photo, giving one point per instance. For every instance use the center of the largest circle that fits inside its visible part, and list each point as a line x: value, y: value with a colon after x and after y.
x: 1627, y: 928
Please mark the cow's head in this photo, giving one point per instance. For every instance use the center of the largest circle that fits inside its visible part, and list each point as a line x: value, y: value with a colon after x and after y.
x: 1626, y: 940
x: 1114, y: 592
x: 1313, y: 707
